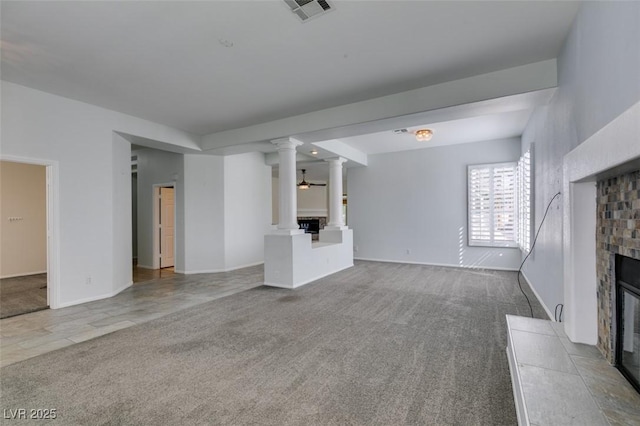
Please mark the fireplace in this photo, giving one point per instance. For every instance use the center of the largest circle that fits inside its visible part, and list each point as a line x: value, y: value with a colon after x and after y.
x: 312, y: 225
x: 627, y: 334
x: 617, y: 241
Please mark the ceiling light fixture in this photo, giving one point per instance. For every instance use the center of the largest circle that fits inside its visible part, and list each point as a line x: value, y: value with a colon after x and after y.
x: 306, y: 185
x: 314, y: 152
x: 423, y: 135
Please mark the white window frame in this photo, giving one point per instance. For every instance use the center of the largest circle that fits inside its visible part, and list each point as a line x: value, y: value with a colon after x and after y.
x: 472, y: 200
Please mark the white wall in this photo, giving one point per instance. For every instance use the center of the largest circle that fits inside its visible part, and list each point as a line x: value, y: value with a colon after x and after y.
x: 78, y: 137
x: 598, y: 79
x: 23, y: 243
x: 416, y: 201
x: 247, y: 207
x: 292, y: 260
x: 157, y: 167
x: 204, y: 213
x: 311, y: 202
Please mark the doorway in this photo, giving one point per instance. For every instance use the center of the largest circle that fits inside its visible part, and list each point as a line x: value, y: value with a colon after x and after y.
x: 164, y: 207
x: 24, y: 241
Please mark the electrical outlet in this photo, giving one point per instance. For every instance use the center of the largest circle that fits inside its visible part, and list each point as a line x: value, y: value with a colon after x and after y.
x: 355, y: 248
x: 408, y: 251
x: 87, y: 280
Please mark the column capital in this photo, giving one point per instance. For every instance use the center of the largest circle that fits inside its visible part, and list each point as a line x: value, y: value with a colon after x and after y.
x: 286, y: 143
x: 336, y: 160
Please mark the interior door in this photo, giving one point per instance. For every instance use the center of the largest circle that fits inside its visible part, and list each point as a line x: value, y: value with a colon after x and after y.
x: 167, y: 225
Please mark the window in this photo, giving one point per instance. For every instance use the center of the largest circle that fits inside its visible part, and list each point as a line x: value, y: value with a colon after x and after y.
x: 492, y: 205
x: 524, y: 201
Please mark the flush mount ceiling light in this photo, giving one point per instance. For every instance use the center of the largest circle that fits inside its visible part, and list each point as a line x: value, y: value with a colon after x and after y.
x: 423, y: 135
x: 314, y: 152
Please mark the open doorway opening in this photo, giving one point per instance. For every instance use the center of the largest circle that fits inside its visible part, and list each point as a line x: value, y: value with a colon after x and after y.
x: 23, y: 238
x: 163, y: 236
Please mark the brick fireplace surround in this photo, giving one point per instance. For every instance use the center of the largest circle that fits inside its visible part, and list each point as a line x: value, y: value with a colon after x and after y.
x: 617, y: 232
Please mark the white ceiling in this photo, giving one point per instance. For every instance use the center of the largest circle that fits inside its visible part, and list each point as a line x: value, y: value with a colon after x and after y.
x: 465, y: 130
x: 167, y: 61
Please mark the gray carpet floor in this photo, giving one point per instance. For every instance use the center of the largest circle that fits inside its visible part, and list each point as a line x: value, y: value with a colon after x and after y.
x: 384, y: 344
x: 21, y: 295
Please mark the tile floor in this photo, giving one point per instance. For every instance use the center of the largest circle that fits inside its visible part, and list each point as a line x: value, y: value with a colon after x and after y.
x: 33, y: 334
x: 567, y: 383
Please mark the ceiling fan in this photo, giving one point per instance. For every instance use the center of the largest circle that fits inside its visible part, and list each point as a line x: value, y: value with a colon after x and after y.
x: 306, y: 185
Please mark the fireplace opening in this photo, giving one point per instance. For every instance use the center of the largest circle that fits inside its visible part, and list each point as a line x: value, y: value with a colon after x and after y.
x: 627, y: 358
x: 310, y: 226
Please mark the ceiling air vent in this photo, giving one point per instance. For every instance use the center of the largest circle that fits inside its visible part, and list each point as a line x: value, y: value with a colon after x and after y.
x: 306, y: 9
x: 400, y: 131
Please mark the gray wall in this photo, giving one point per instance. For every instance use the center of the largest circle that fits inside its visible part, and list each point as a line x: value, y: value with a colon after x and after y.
x: 416, y: 201
x: 204, y: 213
x: 227, y: 211
x: 598, y: 79
x: 247, y: 208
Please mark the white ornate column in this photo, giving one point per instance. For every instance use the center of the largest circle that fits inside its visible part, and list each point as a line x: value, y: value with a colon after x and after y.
x: 335, y: 194
x: 288, y: 201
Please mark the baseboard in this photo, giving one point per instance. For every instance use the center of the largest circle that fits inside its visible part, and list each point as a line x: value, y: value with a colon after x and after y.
x: 216, y: 271
x: 279, y: 286
x: 95, y: 298
x: 248, y: 265
x: 323, y: 276
x: 533, y: 289
x: 200, y: 271
x: 307, y: 281
x: 23, y: 274
x: 448, y: 265
x: 122, y: 288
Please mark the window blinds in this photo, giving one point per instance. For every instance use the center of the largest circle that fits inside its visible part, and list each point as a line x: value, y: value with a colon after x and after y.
x: 524, y: 201
x: 492, y: 205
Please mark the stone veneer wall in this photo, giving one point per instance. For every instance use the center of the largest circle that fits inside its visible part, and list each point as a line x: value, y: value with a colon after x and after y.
x: 617, y: 231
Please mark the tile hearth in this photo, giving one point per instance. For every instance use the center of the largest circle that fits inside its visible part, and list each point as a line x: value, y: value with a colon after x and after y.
x: 559, y: 382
